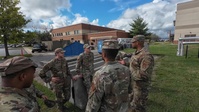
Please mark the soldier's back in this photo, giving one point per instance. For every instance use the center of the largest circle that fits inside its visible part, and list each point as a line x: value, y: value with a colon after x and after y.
x: 116, y: 80
x: 16, y: 100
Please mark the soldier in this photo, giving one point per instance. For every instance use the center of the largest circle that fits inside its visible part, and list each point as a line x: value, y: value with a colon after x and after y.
x: 111, y: 84
x: 61, y: 77
x: 17, y: 73
x: 141, y: 66
x: 33, y: 92
x: 85, y: 66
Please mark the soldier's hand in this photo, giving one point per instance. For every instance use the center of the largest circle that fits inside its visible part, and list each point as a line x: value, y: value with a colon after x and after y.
x: 44, y: 97
x: 76, y: 77
x: 121, y: 62
x: 55, y: 79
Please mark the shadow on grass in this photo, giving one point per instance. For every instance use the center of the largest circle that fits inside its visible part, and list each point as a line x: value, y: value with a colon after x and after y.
x: 163, y: 90
x: 151, y: 103
x: 158, y: 55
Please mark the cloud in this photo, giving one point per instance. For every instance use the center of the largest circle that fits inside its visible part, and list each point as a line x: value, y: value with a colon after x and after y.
x: 159, y: 15
x: 44, y: 10
x: 80, y: 19
x: 122, y: 5
x: 37, y: 9
x: 47, y: 14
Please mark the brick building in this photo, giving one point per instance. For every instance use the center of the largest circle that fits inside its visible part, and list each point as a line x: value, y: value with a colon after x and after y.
x: 187, y: 20
x: 86, y: 33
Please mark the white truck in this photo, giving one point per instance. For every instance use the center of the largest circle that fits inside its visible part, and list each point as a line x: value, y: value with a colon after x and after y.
x: 125, y: 42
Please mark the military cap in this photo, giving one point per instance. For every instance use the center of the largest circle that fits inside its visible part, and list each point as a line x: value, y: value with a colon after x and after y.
x: 139, y: 38
x: 86, y: 46
x: 16, y: 64
x: 110, y: 44
x: 59, y: 50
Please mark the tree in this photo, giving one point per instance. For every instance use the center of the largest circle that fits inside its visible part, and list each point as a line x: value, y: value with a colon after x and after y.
x: 11, y: 21
x: 30, y: 37
x: 44, y: 36
x: 139, y: 27
x: 154, y: 37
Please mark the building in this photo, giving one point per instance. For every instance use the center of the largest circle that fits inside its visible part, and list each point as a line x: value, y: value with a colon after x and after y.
x: 187, y: 20
x: 86, y: 33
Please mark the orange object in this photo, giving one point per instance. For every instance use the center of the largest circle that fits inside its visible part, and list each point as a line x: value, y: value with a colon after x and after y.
x: 21, y: 52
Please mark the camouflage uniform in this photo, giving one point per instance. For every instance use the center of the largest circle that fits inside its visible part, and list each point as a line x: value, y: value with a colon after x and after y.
x: 110, y: 88
x: 85, y: 66
x: 34, y: 93
x: 141, y: 66
x: 16, y: 100
x: 59, y: 69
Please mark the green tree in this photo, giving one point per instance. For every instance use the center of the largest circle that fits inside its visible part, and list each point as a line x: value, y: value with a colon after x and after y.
x: 44, y: 36
x: 11, y: 21
x: 154, y: 37
x: 139, y: 27
x: 30, y: 37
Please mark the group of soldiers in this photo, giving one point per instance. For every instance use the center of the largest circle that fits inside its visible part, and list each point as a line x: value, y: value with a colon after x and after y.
x: 119, y: 86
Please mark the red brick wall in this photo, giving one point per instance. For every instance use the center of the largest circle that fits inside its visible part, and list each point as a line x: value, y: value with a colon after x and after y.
x: 98, y: 32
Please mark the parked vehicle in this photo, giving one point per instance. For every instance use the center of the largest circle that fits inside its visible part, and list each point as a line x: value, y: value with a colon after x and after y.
x: 124, y: 42
x: 39, y: 48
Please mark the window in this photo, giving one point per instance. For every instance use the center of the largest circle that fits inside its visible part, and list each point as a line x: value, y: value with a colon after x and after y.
x: 190, y: 35
x: 76, y: 32
x: 68, y: 33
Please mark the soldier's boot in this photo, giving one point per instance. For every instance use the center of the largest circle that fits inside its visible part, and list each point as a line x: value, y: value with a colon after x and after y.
x: 64, y: 101
x: 60, y: 107
x: 65, y: 108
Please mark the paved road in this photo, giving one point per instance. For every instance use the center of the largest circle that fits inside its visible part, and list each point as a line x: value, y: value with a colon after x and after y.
x: 12, y: 51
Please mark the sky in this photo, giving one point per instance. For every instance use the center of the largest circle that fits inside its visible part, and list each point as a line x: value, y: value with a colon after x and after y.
x: 118, y: 14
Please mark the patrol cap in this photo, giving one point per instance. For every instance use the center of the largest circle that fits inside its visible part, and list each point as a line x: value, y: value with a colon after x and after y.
x: 139, y: 38
x: 86, y: 46
x: 110, y: 44
x: 16, y: 64
x: 57, y: 50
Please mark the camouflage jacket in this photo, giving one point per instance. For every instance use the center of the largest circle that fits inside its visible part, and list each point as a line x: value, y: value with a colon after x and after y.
x: 141, y: 66
x: 85, y: 62
x: 110, y: 88
x: 34, y: 91
x: 16, y: 100
x: 59, y: 68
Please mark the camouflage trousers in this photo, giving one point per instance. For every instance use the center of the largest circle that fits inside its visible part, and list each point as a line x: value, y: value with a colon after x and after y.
x: 139, y: 99
x: 62, y: 91
x: 87, y: 79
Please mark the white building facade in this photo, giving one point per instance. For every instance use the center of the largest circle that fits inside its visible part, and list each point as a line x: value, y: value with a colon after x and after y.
x: 187, y: 20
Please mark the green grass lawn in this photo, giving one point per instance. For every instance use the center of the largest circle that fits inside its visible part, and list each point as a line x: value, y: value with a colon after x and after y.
x: 175, y: 81
x: 51, y: 96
